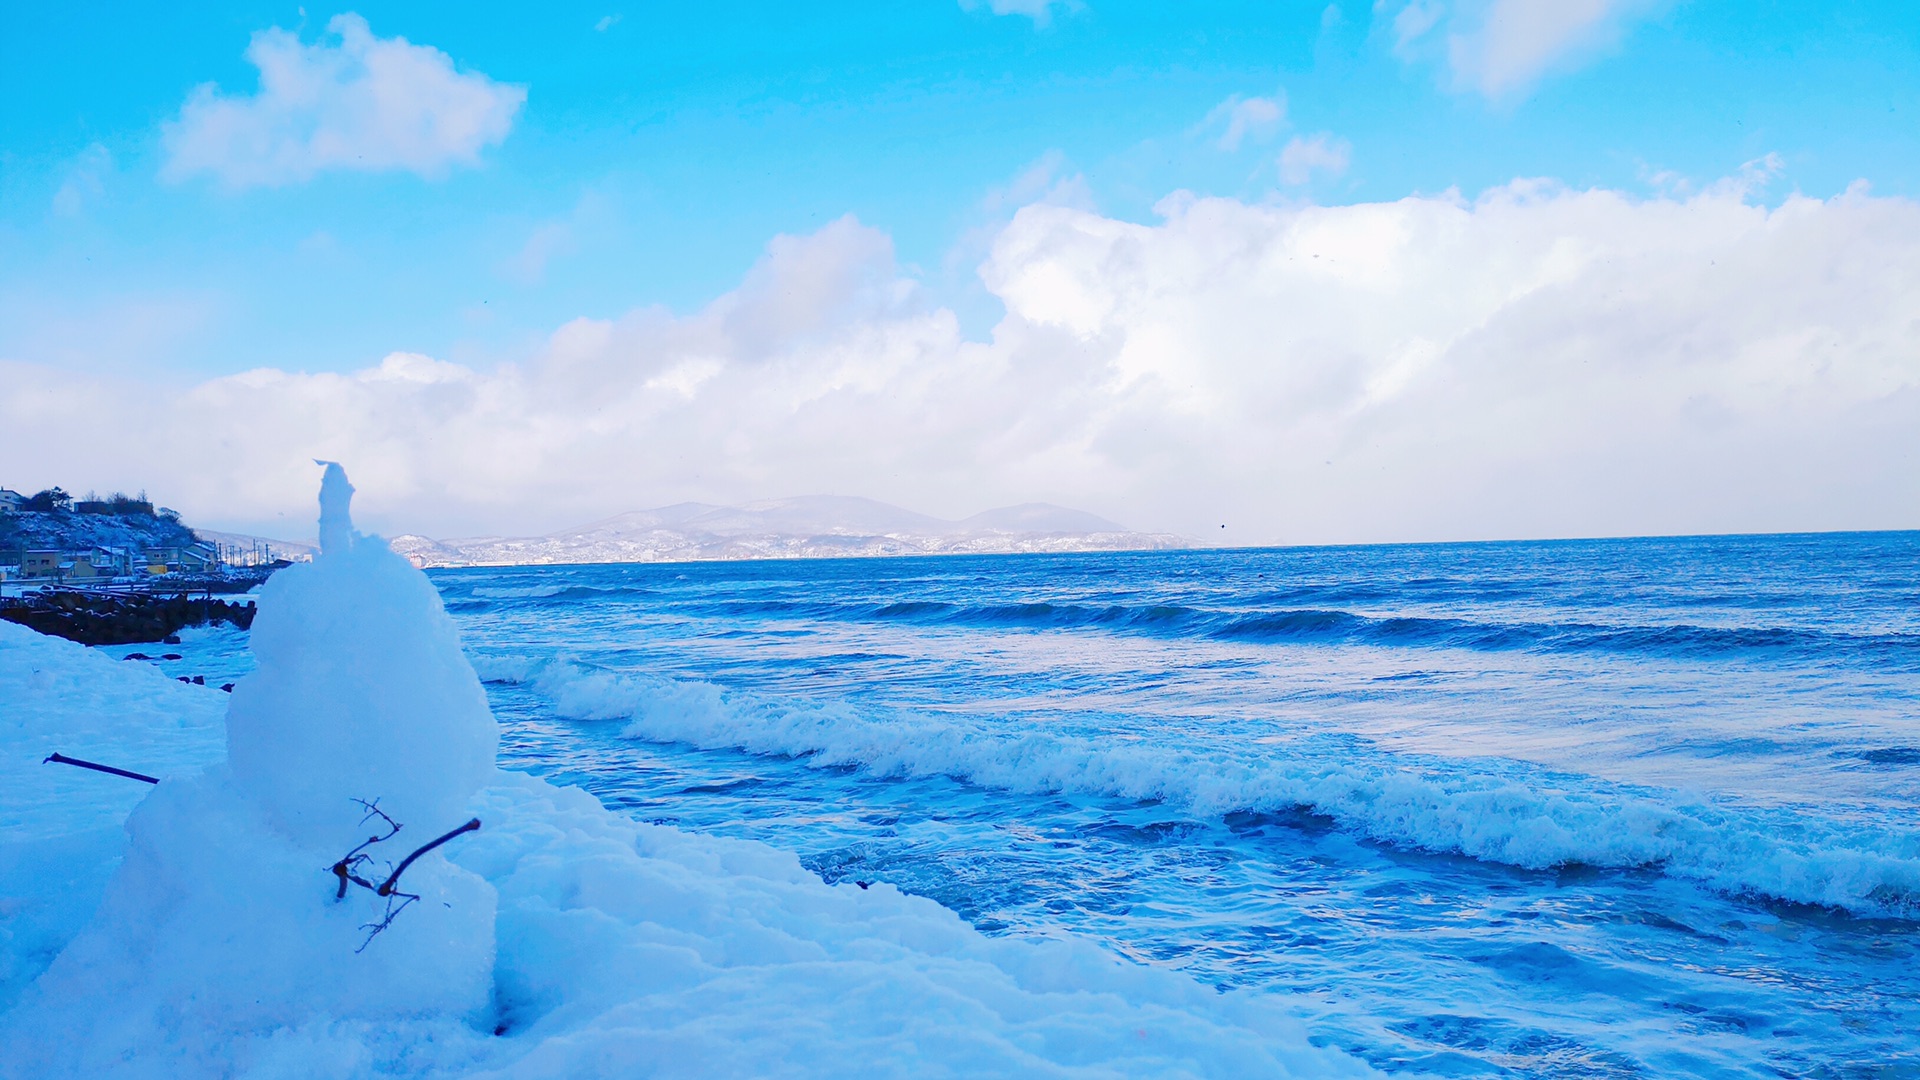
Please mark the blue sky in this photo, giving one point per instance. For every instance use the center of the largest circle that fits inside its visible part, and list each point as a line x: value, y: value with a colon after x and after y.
x: 662, y: 151
x: 657, y: 150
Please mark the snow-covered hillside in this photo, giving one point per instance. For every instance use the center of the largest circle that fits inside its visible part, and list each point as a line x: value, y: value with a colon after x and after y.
x: 819, y: 526
x: 70, y: 531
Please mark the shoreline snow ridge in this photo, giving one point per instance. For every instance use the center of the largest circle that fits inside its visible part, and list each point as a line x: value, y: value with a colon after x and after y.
x: 561, y: 939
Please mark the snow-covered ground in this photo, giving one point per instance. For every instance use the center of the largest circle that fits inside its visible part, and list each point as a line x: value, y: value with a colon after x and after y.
x: 560, y: 939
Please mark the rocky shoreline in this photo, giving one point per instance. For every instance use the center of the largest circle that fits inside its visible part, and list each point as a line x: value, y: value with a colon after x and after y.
x: 92, y: 618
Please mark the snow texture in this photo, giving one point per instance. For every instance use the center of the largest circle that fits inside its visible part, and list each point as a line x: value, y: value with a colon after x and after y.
x: 60, y: 834
x: 361, y: 691
x: 561, y: 940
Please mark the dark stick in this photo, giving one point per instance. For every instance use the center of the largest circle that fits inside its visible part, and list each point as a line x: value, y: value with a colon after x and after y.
x: 386, y: 887
x: 344, y: 868
x: 97, y: 767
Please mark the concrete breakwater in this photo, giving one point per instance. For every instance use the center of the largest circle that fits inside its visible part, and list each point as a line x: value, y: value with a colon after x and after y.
x: 119, y: 619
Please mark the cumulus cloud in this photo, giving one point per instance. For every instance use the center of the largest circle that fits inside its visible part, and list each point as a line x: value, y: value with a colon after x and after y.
x: 1305, y: 155
x: 1536, y: 361
x: 1502, y: 47
x: 363, y: 103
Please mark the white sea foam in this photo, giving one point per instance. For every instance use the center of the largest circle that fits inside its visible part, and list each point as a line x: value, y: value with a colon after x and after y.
x: 1498, y: 811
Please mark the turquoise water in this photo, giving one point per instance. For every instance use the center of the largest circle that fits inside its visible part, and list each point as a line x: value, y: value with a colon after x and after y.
x: 1575, y: 809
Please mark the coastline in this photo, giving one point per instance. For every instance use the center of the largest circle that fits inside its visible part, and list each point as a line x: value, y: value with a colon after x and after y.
x: 614, y: 941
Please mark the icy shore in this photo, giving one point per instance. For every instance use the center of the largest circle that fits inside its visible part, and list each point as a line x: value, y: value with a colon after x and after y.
x: 561, y: 939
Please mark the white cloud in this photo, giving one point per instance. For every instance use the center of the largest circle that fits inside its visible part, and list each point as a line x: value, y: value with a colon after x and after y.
x: 1040, y: 11
x: 84, y: 181
x: 365, y: 103
x: 1045, y: 180
x: 1537, y: 361
x: 555, y: 239
x: 546, y: 242
x: 1413, y: 21
x: 1240, y: 117
x: 607, y: 22
x: 1502, y: 47
x: 1305, y: 155
x: 1520, y: 39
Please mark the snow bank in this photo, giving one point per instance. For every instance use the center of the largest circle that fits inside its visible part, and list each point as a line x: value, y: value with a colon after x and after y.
x: 628, y: 949
x: 60, y: 827
x: 561, y: 940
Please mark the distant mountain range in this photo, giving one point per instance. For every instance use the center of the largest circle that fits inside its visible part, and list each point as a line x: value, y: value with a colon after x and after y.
x: 812, y: 527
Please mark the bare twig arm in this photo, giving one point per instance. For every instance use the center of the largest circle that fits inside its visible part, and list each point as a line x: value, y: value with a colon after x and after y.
x: 62, y: 759
x: 386, y: 887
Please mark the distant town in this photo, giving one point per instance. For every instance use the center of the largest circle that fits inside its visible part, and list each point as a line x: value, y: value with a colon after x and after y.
x: 51, y: 537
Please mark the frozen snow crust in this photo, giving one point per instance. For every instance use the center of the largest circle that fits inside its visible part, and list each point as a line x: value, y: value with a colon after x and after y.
x: 1497, y: 811
x: 561, y: 940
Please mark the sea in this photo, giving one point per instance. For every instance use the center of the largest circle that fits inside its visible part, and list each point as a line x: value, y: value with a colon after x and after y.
x: 1605, y: 808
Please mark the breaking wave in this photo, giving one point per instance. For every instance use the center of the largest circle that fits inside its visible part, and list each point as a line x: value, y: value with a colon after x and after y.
x: 1495, y: 811
x: 1291, y: 625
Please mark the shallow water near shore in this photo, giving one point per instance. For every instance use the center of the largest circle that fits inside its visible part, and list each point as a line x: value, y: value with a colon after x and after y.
x: 1578, y: 809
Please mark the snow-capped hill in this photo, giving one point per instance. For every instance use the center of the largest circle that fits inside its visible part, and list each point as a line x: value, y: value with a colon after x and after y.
x: 834, y: 515
x: 812, y: 526
x: 70, y: 531
x: 1039, y: 518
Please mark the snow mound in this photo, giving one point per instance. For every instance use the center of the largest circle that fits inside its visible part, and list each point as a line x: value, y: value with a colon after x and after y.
x: 560, y: 940
x: 361, y: 692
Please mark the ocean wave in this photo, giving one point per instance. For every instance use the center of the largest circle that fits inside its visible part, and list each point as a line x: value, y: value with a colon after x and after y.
x: 1500, y: 812
x: 1272, y: 618
x: 524, y: 592
x: 554, y: 592
x: 1335, y: 626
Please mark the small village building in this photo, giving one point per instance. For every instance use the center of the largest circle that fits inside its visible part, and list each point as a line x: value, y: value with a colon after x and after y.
x: 200, y: 558
x: 117, y: 561
x: 11, y: 500
x: 41, y: 564
x: 99, y: 562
